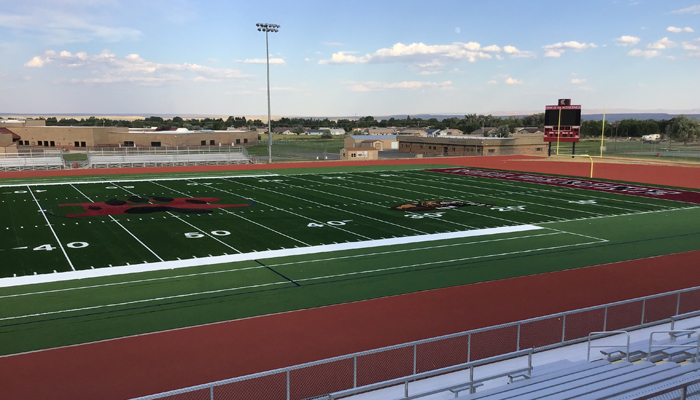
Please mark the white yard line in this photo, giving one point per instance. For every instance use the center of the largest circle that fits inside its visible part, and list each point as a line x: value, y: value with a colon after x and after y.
x: 356, y: 256
x: 122, y: 226
x: 362, y: 201
x: 467, y: 194
x: 297, y: 280
x: 295, y: 214
x: 125, y: 303
x: 52, y: 231
x: 244, y: 218
x: 182, y: 220
x: 554, y: 188
x: 443, y: 261
x: 158, y: 266
x: 111, y: 181
x: 334, y: 208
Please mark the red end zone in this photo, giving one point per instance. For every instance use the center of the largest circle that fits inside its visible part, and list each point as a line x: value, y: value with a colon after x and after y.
x: 634, y: 190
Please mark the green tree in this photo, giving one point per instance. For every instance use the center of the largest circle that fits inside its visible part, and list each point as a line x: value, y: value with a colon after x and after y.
x: 326, y: 135
x: 683, y: 128
x: 502, y: 131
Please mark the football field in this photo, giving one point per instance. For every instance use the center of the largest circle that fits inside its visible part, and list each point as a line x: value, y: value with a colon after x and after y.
x: 111, y: 258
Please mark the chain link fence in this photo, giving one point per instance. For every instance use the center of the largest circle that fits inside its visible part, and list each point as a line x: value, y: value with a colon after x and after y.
x: 317, y: 379
x: 637, y: 148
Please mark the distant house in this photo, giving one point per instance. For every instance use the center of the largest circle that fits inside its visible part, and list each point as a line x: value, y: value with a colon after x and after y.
x: 335, y: 131
x: 283, y: 131
x: 380, y: 131
x: 316, y: 132
x: 432, y: 132
x: 413, y: 132
x: 483, y: 131
x: 451, y: 132
x: 379, y: 142
x: 527, y: 129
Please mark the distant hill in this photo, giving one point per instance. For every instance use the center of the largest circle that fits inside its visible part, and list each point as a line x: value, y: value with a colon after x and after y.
x: 641, y: 116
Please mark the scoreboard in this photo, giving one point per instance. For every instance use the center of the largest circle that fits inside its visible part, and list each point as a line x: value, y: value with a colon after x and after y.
x: 562, y: 122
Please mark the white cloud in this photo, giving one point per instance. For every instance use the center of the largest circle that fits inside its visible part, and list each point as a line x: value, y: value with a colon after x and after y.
x: 431, y: 68
x: 492, y: 82
x: 513, y: 81
x: 556, y: 49
x: 56, y: 27
x: 679, y: 30
x: 279, y: 61
x: 307, y: 59
x: 457, y: 30
x: 577, y: 80
x: 627, y: 40
x: 689, y: 10
x: 345, y: 57
x: 421, y: 52
x: 689, y: 46
x: 108, y: 68
x: 371, y: 86
x: 643, y: 53
x: 662, y: 44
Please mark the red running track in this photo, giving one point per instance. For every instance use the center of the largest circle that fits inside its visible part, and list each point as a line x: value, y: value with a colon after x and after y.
x: 146, y: 364
x: 669, y: 175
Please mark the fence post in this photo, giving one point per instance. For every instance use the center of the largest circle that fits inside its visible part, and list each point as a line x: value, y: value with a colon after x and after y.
x: 469, y: 347
x: 644, y: 306
x: 563, y: 328
x: 354, y: 372
x: 289, y: 392
x: 678, y: 303
x: 415, y: 358
x: 605, y: 319
x: 211, y: 393
x: 517, y: 347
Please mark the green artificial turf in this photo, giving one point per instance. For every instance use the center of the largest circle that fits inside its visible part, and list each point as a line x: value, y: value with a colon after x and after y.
x: 617, y: 227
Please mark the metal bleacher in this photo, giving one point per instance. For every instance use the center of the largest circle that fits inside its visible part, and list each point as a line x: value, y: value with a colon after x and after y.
x: 137, y: 157
x: 663, y: 369
x: 31, y: 161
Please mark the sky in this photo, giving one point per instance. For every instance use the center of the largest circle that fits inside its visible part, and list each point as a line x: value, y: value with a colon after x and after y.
x: 350, y: 58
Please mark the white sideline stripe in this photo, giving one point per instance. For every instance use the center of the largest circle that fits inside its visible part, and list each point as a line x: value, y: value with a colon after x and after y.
x: 400, y: 267
x: 159, y: 266
x: 137, y: 180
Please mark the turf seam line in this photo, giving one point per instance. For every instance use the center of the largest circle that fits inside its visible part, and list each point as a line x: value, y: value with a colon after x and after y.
x: 277, y: 272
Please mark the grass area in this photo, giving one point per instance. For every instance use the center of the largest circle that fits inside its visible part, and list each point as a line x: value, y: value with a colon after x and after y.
x: 635, y: 149
x: 297, y: 147
x: 578, y: 228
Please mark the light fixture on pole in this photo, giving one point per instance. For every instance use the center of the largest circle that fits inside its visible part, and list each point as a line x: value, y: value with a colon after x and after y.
x: 268, y: 28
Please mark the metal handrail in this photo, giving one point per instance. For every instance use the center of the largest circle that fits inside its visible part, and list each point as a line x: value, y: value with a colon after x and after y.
x: 696, y: 345
x: 683, y: 316
x: 439, y: 338
x: 423, y: 375
x: 604, y: 334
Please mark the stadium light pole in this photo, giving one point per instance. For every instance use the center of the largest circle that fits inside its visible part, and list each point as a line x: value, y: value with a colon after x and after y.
x: 268, y: 28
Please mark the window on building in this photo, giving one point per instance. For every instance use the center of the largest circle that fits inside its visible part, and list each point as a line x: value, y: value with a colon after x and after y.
x: 245, y: 140
x: 82, y: 144
x: 76, y: 144
x: 128, y: 143
x: 212, y: 143
x: 492, y: 150
x: 353, y: 155
x: 203, y: 142
x: 238, y: 141
x: 155, y: 144
x: 453, y: 149
x: 538, y: 149
x: 53, y: 144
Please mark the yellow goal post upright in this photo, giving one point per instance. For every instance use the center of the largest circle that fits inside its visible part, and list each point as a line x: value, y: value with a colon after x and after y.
x: 602, y: 146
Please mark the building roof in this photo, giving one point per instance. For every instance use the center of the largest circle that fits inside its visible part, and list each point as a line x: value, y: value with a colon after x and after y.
x: 9, y: 132
x: 359, y: 148
x: 374, y: 137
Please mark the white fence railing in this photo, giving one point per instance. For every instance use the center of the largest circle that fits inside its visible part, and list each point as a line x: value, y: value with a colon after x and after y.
x: 319, y: 378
